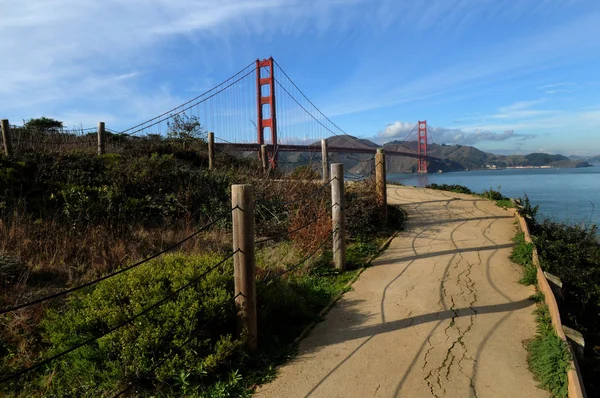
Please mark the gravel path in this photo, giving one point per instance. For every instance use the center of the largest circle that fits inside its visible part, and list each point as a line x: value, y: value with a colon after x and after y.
x: 439, y: 314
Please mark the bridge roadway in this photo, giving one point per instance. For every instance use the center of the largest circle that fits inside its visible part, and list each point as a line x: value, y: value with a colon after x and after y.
x: 439, y: 314
x: 317, y: 149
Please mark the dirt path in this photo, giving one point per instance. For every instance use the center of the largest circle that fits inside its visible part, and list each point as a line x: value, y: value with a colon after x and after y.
x: 440, y: 313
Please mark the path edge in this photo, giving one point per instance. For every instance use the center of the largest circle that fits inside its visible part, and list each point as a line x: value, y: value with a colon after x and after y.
x: 574, y: 379
x: 347, y: 287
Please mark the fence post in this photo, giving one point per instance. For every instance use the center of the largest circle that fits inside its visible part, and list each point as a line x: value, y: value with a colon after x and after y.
x: 337, y: 215
x: 242, y: 201
x: 211, y: 150
x: 6, y: 138
x: 101, y: 138
x: 325, y: 160
x: 380, y: 183
x: 263, y: 157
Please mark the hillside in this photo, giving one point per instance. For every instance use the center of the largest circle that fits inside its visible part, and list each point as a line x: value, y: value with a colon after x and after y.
x: 455, y: 158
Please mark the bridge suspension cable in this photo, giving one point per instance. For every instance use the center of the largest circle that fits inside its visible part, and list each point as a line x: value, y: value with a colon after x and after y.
x: 321, y: 126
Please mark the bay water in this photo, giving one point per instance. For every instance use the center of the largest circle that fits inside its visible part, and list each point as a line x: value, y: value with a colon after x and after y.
x: 568, y: 194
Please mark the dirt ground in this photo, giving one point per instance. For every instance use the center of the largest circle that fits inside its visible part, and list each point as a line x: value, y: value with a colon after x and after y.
x: 440, y: 313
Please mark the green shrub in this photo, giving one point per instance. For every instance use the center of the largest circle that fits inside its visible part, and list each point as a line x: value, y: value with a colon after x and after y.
x: 363, y: 217
x: 129, y: 353
x: 549, y: 356
x: 452, y: 188
x: 493, y: 194
x: 571, y: 252
x: 521, y: 254
x: 505, y: 203
x: 83, y: 189
x: 527, y: 210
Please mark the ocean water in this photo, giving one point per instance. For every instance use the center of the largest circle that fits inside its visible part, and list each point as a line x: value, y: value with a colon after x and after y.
x: 569, y: 195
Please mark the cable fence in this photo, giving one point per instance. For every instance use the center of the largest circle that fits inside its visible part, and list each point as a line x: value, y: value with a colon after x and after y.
x: 311, y: 212
x: 300, y: 211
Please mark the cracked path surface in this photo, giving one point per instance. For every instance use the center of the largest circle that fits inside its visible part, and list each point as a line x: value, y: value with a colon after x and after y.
x: 439, y: 314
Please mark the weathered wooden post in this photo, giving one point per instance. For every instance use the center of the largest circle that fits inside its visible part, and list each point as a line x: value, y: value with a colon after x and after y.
x: 101, y: 138
x: 337, y: 215
x: 6, y: 138
x: 380, y: 183
x: 325, y: 160
x: 211, y: 150
x: 242, y: 201
x: 264, y: 157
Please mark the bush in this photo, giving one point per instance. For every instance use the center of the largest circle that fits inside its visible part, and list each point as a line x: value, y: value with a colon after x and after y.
x: 363, y: 217
x: 130, y: 352
x: 549, y: 356
x: 527, y: 211
x: 572, y: 253
x: 452, y: 188
x: 305, y: 173
x: 521, y: 254
x: 493, y: 195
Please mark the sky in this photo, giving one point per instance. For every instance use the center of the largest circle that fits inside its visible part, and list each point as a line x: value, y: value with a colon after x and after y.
x: 506, y: 76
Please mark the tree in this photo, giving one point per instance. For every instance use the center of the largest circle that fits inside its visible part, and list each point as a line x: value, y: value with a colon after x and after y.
x: 185, y: 128
x: 43, y: 125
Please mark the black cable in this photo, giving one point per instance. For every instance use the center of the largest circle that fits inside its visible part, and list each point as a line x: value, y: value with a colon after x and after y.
x: 120, y: 325
x: 17, y: 141
x: 64, y: 292
x: 270, y: 278
x: 318, y: 121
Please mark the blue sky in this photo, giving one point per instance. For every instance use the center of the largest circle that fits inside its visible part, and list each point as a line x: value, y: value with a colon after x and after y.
x: 504, y: 75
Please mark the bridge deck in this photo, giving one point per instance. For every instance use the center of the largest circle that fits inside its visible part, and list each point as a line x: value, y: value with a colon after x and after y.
x: 317, y: 149
x: 439, y: 314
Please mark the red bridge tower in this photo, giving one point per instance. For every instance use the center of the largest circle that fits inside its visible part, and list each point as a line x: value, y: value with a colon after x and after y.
x: 270, y: 121
x: 422, y: 148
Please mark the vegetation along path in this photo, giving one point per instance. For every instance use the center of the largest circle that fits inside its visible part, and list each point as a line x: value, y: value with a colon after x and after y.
x: 440, y: 313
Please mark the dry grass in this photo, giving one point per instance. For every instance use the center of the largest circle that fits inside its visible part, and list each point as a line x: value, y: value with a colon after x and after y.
x: 39, y: 258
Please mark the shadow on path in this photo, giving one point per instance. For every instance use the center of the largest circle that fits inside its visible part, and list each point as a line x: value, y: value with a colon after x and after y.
x: 443, y: 253
x: 371, y: 331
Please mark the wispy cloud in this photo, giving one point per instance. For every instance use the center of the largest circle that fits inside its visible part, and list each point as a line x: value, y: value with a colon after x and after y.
x: 554, y: 85
x: 63, y: 56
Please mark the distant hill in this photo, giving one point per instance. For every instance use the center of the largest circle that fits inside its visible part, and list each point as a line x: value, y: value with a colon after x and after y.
x: 454, y: 157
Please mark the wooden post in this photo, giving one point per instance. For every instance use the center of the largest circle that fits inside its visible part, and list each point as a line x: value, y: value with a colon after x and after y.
x: 101, y: 138
x: 242, y: 200
x: 211, y: 150
x: 337, y: 215
x: 264, y: 157
x: 6, y: 138
x: 325, y: 160
x: 380, y: 183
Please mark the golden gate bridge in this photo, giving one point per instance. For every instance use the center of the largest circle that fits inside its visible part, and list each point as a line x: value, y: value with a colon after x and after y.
x: 262, y: 106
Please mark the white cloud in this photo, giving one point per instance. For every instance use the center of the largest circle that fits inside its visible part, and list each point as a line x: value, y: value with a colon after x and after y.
x: 406, y: 131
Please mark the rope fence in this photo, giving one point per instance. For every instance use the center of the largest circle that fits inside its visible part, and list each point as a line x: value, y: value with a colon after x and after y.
x: 113, y: 274
x: 244, y: 297
x: 242, y: 213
